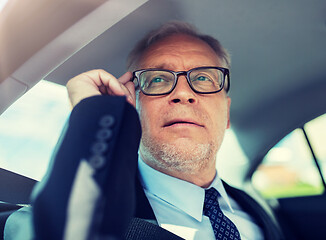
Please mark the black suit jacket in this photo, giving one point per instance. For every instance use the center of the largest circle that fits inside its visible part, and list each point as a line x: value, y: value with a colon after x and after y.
x: 270, y: 229
x: 106, y: 132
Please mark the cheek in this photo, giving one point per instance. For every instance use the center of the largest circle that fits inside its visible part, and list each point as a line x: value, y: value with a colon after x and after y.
x: 143, y: 117
x: 220, y: 121
x: 147, y: 117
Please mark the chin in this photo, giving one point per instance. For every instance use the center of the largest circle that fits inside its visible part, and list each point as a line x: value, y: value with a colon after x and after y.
x: 181, y: 155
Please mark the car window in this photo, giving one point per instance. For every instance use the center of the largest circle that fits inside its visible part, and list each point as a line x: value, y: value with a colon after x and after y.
x: 296, y: 165
x: 30, y: 128
x: 232, y: 163
x: 316, y: 131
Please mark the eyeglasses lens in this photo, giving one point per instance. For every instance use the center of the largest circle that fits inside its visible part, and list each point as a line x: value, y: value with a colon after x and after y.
x: 203, y: 80
x: 206, y: 80
x: 156, y: 82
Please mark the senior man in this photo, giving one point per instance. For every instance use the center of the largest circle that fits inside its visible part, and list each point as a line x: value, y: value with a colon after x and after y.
x: 178, y: 81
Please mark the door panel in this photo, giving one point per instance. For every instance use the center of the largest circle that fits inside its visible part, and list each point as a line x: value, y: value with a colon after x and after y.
x: 303, y: 217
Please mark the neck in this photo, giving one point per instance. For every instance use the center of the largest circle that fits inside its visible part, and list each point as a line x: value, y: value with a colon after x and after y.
x: 201, y: 177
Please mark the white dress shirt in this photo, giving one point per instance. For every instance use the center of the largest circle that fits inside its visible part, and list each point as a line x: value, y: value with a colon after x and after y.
x: 178, y: 206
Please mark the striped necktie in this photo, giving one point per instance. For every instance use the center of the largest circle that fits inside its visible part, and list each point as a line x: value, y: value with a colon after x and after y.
x: 223, y: 227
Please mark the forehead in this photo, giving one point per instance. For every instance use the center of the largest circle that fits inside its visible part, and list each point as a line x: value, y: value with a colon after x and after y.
x: 179, y: 51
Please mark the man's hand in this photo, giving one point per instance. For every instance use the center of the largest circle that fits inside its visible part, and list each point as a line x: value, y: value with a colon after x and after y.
x: 100, y: 82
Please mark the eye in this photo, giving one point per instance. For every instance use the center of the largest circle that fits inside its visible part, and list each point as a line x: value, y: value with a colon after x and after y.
x: 202, y: 78
x: 157, y: 80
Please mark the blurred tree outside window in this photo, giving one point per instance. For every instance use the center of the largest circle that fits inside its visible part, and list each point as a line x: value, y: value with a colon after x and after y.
x: 289, y: 169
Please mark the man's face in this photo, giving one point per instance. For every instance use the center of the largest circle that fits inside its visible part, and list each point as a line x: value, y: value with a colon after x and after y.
x: 182, y: 124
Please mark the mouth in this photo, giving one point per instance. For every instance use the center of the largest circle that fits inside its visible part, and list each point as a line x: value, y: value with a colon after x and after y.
x: 182, y: 122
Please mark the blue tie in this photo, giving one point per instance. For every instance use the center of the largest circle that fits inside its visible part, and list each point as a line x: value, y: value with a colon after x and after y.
x: 223, y: 227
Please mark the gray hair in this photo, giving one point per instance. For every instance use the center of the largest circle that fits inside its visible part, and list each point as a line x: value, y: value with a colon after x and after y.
x: 171, y: 28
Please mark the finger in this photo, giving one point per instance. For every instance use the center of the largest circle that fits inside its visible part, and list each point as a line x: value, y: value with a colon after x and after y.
x: 129, y: 96
x: 102, y: 78
x: 125, y: 78
x: 125, y: 91
x: 80, y: 87
x: 103, y: 90
x: 131, y: 88
x: 111, y: 83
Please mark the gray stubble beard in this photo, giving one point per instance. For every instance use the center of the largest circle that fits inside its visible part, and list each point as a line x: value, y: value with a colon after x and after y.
x: 186, y: 158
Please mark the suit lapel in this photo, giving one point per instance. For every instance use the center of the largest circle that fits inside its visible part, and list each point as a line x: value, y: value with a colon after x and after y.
x: 143, y: 207
x: 270, y: 230
x: 144, y: 225
x: 139, y: 229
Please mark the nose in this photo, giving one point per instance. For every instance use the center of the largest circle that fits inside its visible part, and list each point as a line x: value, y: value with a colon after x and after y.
x: 182, y: 93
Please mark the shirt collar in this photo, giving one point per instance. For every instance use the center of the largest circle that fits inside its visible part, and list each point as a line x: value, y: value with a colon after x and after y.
x: 218, y: 185
x: 181, y: 194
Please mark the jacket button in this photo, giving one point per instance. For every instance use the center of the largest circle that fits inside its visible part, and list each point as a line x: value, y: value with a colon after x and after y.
x: 107, y: 121
x: 104, y: 134
x: 99, y: 147
x: 97, y: 161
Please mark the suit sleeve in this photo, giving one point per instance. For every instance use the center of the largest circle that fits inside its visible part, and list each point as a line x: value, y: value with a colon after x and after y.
x: 89, y: 189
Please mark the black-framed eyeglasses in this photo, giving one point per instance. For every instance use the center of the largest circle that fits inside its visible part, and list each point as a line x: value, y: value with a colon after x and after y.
x: 202, y: 80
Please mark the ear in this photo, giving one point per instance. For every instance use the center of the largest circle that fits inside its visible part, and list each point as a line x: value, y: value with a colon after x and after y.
x: 228, y: 112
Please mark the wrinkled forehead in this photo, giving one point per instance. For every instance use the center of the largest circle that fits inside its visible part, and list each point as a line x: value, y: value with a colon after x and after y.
x: 166, y: 52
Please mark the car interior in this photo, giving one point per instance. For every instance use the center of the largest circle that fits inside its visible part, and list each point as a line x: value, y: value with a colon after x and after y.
x: 278, y: 76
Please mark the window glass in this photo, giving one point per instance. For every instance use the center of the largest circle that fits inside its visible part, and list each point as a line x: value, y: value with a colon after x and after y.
x: 288, y: 169
x: 316, y: 131
x: 30, y: 128
x: 231, y: 162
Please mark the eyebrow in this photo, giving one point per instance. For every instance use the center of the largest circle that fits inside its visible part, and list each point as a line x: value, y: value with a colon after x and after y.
x: 171, y: 67
x: 165, y: 66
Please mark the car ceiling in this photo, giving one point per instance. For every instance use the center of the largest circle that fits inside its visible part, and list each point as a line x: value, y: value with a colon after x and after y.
x: 278, y: 49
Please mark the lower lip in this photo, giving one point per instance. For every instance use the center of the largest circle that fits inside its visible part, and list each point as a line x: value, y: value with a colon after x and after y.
x: 184, y: 125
